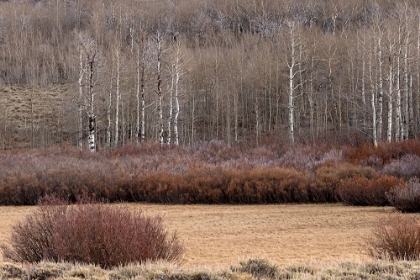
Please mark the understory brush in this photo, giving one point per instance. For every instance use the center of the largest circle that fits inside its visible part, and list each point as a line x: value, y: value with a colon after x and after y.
x: 91, y: 233
x: 212, y: 172
x: 406, y: 197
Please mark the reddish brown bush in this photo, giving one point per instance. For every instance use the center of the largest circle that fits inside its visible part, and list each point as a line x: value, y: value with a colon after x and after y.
x: 367, y: 192
x: 396, y: 238
x: 93, y: 233
x: 384, y: 153
x: 406, y: 197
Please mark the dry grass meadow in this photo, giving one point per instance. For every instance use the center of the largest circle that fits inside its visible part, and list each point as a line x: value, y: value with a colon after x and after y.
x: 217, y: 236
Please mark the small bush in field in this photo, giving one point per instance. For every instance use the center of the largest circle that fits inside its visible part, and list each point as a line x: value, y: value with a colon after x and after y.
x: 259, y: 268
x: 396, y: 238
x: 93, y: 233
x: 406, y: 197
x: 367, y: 192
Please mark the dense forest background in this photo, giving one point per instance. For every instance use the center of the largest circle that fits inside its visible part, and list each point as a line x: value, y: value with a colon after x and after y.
x: 184, y: 71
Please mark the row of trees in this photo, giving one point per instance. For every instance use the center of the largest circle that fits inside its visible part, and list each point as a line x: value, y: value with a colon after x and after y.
x: 184, y: 71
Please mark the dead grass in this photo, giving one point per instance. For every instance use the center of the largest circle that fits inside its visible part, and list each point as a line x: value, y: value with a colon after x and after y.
x: 22, y: 106
x: 222, y: 235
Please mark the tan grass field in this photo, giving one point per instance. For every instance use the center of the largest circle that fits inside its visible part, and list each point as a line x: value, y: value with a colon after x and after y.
x: 217, y: 236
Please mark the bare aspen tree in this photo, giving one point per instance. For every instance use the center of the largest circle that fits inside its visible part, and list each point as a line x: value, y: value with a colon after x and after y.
x: 361, y: 43
x: 292, y: 64
x: 398, y: 114
x: 408, y: 104
x: 90, y: 55
x: 117, y: 96
x: 82, y: 71
x: 141, y: 44
x: 390, y: 86
x: 159, y: 88
x: 373, y: 99
x: 109, y: 108
x: 177, y: 71
x: 380, y: 97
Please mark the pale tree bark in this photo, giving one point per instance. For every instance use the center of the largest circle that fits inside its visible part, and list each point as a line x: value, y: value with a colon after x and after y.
x: 117, y: 97
x: 390, y: 89
x: 363, y: 83
x: 257, y: 120
x: 91, y: 100
x: 90, y: 55
x: 140, y: 89
x: 407, y: 104
x: 108, y: 110
x: 159, y: 88
x: 292, y: 64
x: 177, y: 77
x: 399, y: 132
x: 380, y: 85
x: 373, y: 103
x: 82, y: 71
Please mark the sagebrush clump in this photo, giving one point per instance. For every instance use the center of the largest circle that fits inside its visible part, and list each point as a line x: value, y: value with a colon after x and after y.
x: 395, y: 238
x: 93, y: 233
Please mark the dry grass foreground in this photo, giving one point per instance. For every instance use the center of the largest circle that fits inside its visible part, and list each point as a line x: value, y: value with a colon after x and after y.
x: 217, y: 236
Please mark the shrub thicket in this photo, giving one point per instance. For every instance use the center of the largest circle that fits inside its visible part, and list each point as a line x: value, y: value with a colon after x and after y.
x: 92, y: 233
x: 406, y: 197
x: 396, y: 238
x: 367, y: 192
x: 408, y: 166
x: 208, y: 173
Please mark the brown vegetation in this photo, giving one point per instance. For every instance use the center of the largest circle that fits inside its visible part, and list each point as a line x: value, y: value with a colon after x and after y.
x: 396, y: 238
x: 406, y: 197
x: 252, y: 269
x: 91, y: 233
x: 363, y: 191
x: 210, y: 173
x: 218, y: 236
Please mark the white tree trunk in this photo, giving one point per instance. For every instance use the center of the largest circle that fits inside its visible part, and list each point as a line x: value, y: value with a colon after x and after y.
x: 399, y: 132
x: 373, y: 104
x: 108, y: 110
x: 138, y: 88
x: 406, y: 89
x: 171, y: 103
x: 91, y: 113
x: 380, y: 89
x: 390, y: 100
x: 291, y: 63
x: 80, y: 100
x: 177, y: 77
x: 117, y: 98
x: 159, y: 89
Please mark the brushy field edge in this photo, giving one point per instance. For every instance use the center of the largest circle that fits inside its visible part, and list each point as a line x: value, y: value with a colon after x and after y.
x: 211, y: 173
x: 246, y: 270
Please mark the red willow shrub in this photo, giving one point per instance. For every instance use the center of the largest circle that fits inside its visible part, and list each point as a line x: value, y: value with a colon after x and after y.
x: 362, y: 191
x: 93, y: 233
x: 385, y: 152
x: 216, y: 185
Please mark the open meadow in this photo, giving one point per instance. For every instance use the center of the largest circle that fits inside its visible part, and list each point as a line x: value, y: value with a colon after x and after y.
x: 217, y: 236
